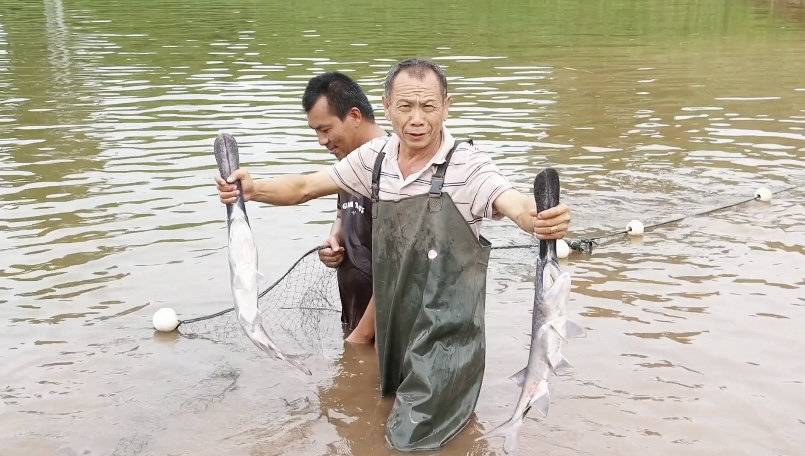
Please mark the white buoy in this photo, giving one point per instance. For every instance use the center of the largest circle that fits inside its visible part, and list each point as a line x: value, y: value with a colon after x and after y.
x: 165, y: 320
x: 763, y: 194
x: 635, y: 228
x: 562, y: 249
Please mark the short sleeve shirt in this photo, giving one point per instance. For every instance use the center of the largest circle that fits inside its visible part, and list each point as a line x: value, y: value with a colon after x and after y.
x: 472, y: 180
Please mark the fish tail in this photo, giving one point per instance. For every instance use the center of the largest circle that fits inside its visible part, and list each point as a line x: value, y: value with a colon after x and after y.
x: 509, y: 431
x: 296, y: 362
x: 260, y: 337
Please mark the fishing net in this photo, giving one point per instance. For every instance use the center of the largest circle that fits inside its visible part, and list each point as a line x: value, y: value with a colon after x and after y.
x: 300, y: 309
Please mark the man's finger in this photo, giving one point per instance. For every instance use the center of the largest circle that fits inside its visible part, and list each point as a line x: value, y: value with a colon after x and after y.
x: 555, y: 211
x: 238, y: 174
x: 331, y: 253
x: 552, y: 229
x: 562, y: 218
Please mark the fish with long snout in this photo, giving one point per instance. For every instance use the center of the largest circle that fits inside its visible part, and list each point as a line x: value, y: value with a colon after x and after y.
x: 549, y: 325
x: 243, y: 258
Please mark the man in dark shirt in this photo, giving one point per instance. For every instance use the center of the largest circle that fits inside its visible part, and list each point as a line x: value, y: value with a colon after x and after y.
x: 340, y: 114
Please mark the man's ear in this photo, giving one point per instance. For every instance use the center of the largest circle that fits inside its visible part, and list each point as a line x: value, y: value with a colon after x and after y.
x: 386, y: 103
x: 447, y: 100
x: 355, y: 115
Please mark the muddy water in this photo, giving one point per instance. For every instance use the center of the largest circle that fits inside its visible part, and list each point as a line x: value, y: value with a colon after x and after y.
x: 652, y: 111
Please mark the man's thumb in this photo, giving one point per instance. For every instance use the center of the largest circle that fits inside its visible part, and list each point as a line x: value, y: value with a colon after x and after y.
x: 333, y: 243
x: 236, y: 175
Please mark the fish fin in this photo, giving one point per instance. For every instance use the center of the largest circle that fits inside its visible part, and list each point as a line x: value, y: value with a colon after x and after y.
x: 563, y: 367
x: 557, y: 293
x: 574, y: 330
x: 264, y: 341
x: 559, y: 325
x: 295, y: 361
x: 555, y: 358
x: 509, y: 431
x: 519, y: 376
x: 542, y: 400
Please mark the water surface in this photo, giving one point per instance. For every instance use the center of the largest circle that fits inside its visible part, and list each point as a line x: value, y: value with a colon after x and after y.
x: 650, y: 110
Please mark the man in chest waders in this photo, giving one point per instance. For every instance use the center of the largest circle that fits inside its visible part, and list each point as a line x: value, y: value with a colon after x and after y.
x: 430, y: 193
x: 342, y: 117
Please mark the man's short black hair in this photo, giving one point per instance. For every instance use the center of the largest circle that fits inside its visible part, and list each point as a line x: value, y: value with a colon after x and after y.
x: 342, y: 95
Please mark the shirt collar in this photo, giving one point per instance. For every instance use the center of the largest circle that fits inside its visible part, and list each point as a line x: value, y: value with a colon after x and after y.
x: 393, y: 147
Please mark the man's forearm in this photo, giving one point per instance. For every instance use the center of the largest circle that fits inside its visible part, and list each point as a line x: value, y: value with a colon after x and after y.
x: 524, y: 219
x: 293, y: 189
x: 281, y: 191
x: 518, y: 208
x: 335, y: 229
x: 551, y: 223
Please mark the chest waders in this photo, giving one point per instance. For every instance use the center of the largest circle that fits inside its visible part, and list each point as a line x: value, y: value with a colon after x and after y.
x: 429, y: 288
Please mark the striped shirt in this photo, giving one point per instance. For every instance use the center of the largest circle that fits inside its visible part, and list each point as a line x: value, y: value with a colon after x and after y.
x: 472, y: 180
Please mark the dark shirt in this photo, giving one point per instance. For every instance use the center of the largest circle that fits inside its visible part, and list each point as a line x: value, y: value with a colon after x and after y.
x: 355, y: 272
x: 356, y: 230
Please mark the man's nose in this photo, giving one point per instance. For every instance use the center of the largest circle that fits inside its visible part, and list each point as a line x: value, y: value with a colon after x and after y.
x: 416, y: 117
x: 323, y: 140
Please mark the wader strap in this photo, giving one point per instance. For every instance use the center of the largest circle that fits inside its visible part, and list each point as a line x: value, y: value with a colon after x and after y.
x: 437, y: 181
x: 376, y: 173
x: 376, y: 177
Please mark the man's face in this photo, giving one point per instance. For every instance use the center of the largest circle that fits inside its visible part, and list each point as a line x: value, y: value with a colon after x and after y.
x: 338, y: 136
x: 417, y: 110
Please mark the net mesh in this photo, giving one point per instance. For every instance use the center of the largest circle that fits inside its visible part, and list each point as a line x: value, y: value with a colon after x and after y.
x: 301, y: 309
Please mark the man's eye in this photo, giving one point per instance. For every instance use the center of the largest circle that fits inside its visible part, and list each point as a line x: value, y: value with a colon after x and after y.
x: 429, y: 107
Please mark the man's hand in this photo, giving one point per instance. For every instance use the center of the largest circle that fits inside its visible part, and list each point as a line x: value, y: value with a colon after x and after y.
x: 333, y: 254
x: 551, y: 223
x: 228, y: 191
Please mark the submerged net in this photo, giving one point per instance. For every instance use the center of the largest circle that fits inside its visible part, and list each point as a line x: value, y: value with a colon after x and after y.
x: 300, y: 309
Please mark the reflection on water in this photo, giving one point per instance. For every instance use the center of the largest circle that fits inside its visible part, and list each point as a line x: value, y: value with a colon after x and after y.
x: 650, y: 110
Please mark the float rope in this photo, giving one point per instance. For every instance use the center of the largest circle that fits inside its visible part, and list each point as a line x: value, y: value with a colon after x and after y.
x: 585, y: 245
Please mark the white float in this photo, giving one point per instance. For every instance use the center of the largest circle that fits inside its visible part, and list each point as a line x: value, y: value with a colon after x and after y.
x: 635, y: 228
x: 562, y: 249
x: 763, y: 194
x: 165, y: 320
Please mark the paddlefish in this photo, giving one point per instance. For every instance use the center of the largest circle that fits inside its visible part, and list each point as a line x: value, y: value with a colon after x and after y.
x: 549, y: 325
x: 243, y: 270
